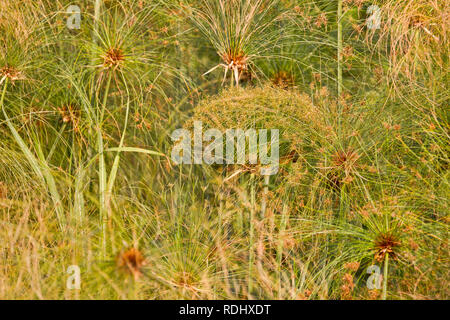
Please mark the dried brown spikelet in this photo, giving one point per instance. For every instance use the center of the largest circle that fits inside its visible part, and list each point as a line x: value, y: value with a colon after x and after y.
x: 374, y: 294
x: 352, y: 266
x: 69, y: 114
x: 3, y: 190
x: 413, y: 245
x: 343, y: 164
x: 10, y: 72
x: 358, y: 3
x: 184, y: 279
x: 347, y: 52
x: 321, y: 20
x: 347, y: 287
x: 283, y: 80
x: 236, y: 59
x: 324, y: 92
x: 305, y: 295
x: 345, y: 159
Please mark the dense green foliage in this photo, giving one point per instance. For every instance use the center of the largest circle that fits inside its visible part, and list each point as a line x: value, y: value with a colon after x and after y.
x: 85, y: 141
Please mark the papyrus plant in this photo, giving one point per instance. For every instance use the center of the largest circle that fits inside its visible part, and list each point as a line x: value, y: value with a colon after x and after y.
x: 240, y: 31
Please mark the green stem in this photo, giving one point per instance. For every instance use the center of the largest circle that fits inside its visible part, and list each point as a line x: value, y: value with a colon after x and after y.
x: 284, y: 219
x: 385, y: 276
x: 264, y: 199
x: 220, y: 216
x: 232, y: 79
x: 55, y: 144
x: 97, y: 7
x: 339, y: 66
x: 115, y: 167
x: 97, y: 11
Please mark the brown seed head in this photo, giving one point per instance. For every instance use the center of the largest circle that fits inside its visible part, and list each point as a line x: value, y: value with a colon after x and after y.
x: 184, y: 279
x: 347, y: 286
x: 343, y: 164
x: 237, y: 60
x: 3, y: 190
x: 10, y: 72
x: 345, y: 159
x: 69, y: 114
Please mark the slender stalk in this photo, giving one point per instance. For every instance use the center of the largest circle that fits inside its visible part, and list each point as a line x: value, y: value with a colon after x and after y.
x: 385, y: 276
x: 97, y: 11
x: 27, y: 152
x: 220, y: 215
x: 102, y: 188
x: 55, y: 144
x: 78, y: 207
x: 252, y: 235
x: 219, y: 264
x: 52, y: 188
x: 264, y: 199
x: 232, y: 80
x: 284, y: 218
x: 115, y: 167
x: 97, y: 8
x: 102, y: 169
